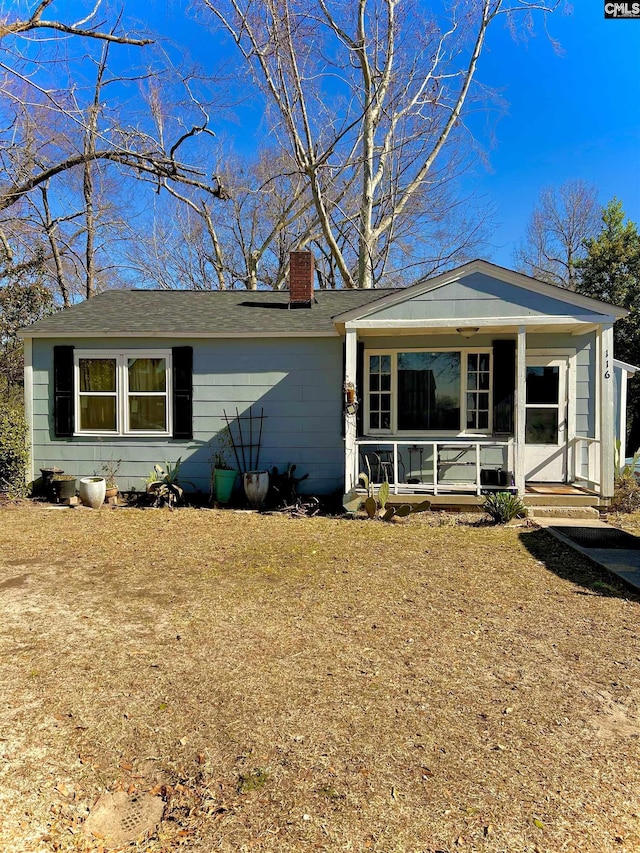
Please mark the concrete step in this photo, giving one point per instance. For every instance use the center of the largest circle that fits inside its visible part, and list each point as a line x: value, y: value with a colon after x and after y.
x: 562, y: 512
x: 561, y: 500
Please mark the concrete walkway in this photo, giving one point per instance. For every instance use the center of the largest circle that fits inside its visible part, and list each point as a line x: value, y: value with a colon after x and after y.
x: 622, y: 562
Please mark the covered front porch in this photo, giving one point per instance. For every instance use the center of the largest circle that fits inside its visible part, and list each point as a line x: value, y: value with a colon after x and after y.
x: 481, y: 380
x: 462, y: 472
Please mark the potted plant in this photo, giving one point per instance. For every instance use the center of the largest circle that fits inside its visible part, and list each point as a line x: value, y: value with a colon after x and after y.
x: 63, y: 487
x: 109, y: 470
x: 165, y: 485
x: 47, y: 481
x: 224, y: 478
x: 223, y: 474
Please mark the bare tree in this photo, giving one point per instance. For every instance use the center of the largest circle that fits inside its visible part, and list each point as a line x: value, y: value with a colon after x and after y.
x: 561, y: 222
x: 244, y: 243
x: 71, y: 144
x: 35, y: 74
x: 372, y: 91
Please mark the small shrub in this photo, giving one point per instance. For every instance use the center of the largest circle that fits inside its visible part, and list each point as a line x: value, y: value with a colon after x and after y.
x: 14, y: 454
x: 626, y: 495
x: 253, y: 781
x: 165, y: 486
x: 503, y: 507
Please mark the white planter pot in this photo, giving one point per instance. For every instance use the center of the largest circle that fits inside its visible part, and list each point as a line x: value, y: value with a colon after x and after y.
x: 92, y: 491
x: 256, y: 486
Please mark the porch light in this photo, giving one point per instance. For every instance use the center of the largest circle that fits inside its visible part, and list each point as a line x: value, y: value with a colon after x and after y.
x: 467, y: 331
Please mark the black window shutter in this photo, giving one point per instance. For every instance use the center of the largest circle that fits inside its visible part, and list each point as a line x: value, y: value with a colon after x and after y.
x: 63, y: 392
x: 344, y: 373
x: 182, y: 392
x: 360, y: 387
x: 504, y: 384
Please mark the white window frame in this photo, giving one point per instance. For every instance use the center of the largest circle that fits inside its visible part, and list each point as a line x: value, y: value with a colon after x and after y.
x: 393, y: 353
x: 122, y: 393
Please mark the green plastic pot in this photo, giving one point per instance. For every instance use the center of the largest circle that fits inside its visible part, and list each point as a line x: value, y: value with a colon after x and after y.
x: 224, y: 480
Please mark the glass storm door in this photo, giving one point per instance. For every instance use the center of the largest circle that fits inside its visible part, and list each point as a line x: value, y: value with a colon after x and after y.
x: 546, y: 420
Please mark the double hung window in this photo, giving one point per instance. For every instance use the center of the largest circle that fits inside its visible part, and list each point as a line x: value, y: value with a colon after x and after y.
x: 124, y: 393
x: 422, y: 391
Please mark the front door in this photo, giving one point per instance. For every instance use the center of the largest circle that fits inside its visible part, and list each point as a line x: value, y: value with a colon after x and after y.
x: 546, y: 420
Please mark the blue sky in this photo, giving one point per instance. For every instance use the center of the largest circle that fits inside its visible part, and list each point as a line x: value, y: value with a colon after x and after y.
x: 573, y: 112
x: 573, y: 115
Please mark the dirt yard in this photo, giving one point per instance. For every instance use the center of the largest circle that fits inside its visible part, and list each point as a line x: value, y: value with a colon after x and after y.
x: 318, y: 684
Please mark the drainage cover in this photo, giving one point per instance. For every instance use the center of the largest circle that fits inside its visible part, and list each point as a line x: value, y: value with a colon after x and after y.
x: 119, y: 819
x: 600, y: 537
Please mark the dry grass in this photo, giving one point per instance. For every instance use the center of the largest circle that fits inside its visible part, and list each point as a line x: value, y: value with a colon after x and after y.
x: 319, y: 684
x: 629, y: 521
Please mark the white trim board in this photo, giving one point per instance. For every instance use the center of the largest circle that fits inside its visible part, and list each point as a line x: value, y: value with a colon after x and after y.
x: 628, y: 368
x: 177, y: 336
x: 28, y: 405
x: 452, y: 324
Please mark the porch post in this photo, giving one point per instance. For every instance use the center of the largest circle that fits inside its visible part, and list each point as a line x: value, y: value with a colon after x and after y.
x: 521, y: 383
x: 350, y: 430
x: 607, y: 428
x: 28, y: 405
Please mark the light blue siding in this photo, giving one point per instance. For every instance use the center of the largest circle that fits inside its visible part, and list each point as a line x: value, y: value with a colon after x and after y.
x: 297, y: 382
x: 478, y: 296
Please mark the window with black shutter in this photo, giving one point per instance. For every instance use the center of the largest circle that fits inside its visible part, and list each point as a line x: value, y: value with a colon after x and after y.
x: 132, y: 392
x: 182, y: 392
x: 63, y: 391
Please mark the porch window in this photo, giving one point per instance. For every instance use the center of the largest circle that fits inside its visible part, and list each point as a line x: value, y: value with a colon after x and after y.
x: 428, y: 391
x: 380, y: 391
x: 478, y: 387
x: 423, y: 391
x: 542, y: 404
x: 123, y: 394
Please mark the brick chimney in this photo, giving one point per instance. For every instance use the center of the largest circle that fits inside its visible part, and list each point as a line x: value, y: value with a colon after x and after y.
x: 301, y: 279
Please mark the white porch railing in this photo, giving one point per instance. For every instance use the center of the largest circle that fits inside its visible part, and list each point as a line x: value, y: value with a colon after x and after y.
x: 586, y: 461
x: 437, y: 467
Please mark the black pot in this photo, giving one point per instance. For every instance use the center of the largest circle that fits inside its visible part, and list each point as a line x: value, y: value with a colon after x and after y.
x: 64, y: 489
x: 47, y: 477
x: 489, y: 477
x: 505, y: 478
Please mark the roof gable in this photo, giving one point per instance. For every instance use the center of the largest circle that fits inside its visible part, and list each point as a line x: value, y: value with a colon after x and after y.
x: 480, y: 290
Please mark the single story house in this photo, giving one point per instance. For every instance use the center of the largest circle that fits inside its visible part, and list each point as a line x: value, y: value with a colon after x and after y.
x: 476, y: 379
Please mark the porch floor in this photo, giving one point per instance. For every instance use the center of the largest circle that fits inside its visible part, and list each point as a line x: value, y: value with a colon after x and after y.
x: 536, y: 494
x: 557, y: 489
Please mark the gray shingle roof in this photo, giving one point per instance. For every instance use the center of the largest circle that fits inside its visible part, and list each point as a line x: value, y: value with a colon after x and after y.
x: 187, y: 313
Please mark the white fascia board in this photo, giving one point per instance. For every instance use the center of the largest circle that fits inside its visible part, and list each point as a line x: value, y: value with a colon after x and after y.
x: 602, y: 309
x: 628, y: 368
x: 178, y: 335
x: 459, y: 322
